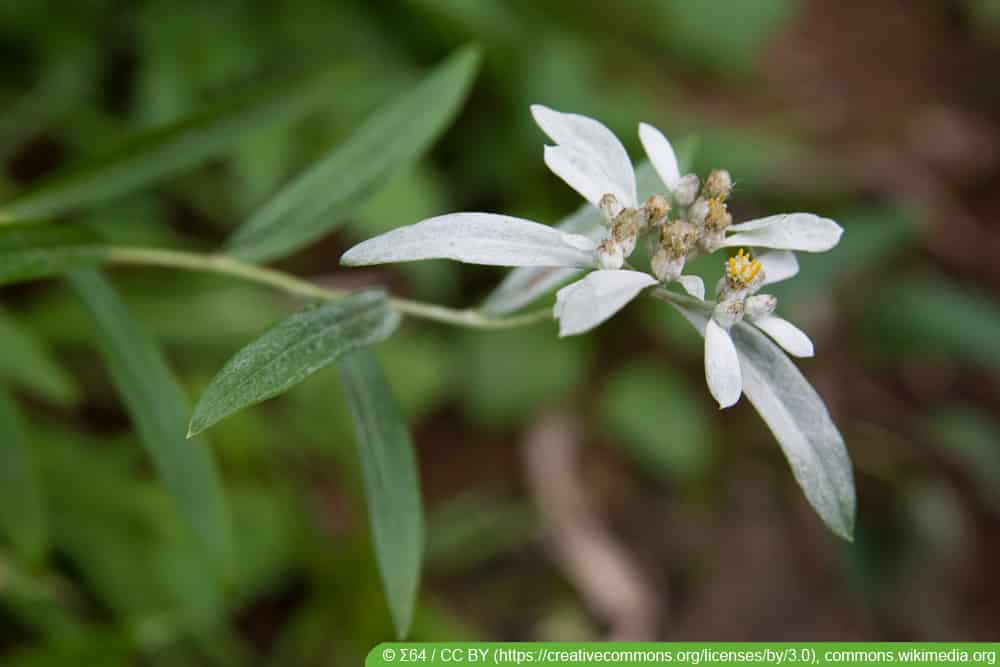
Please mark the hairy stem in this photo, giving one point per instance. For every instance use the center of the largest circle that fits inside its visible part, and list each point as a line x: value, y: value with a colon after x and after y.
x: 290, y: 284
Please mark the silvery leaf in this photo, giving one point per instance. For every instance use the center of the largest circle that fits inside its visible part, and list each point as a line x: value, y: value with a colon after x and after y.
x: 588, y: 156
x: 661, y: 154
x: 693, y: 285
x: 587, y: 303
x: 722, y: 366
x: 799, y: 421
x: 778, y: 265
x: 524, y: 285
x: 476, y: 238
x: 786, y: 334
x: 804, y: 232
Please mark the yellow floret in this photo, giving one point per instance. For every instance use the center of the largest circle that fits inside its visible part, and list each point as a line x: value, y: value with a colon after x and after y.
x: 741, y: 269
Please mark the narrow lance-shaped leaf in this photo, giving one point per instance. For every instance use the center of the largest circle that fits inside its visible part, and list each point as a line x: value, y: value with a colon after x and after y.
x: 799, y: 421
x: 161, y: 152
x: 476, y: 238
x: 29, y: 252
x: 392, y: 487
x: 22, y: 507
x: 293, y: 350
x: 391, y: 139
x: 159, y: 410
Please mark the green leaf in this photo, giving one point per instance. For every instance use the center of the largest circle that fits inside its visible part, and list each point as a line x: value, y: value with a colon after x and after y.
x: 159, y: 410
x: 29, y: 365
x: 139, y: 558
x: 292, y: 351
x: 391, y: 483
x: 29, y: 252
x: 22, y: 506
x: 390, y: 140
x: 157, y: 154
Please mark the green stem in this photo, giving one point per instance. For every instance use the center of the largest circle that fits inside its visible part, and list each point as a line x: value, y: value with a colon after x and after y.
x: 262, y: 275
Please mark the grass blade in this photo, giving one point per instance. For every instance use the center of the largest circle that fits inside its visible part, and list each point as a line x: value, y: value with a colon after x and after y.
x: 29, y: 252
x: 29, y: 365
x: 22, y: 506
x: 394, y: 136
x: 156, y: 154
x: 158, y: 409
x: 292, y: 351
x: 392, y: 487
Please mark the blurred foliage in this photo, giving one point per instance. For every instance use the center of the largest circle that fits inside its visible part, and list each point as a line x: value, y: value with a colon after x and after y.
x: 906, y: 333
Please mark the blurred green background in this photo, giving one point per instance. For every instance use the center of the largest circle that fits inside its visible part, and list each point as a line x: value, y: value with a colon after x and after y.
x: 883, y: 115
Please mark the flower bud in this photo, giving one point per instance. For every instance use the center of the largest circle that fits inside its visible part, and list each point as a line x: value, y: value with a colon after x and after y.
x: 698, y: 211
x: 686, y: 190
x: 610, y: 207
x: 718, y: 217
x: 679, y: 237
x: 760, y: 305
x: 728, y: 312
x: 711, y: 241
x: 666, y: 266
x: 655, y: 209
x: 718, y: 185
x: 625, y: 229
x: 609, y: 255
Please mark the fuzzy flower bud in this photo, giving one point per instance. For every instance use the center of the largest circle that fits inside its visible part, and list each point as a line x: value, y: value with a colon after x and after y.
x: 679, y: 237
x: 610, y: 207
x: 698, y: 211
x: 718, y: 185
x: 718, y: 218
x: 686, y: 190
x: 625, y: 229
x: 666, y: 266
x: 655, y: 210
x: 728, y: 312
x: 609, y: 255
x: 711, y: 241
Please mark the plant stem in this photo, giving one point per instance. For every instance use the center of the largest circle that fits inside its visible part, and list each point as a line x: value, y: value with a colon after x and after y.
x: 263, y: 275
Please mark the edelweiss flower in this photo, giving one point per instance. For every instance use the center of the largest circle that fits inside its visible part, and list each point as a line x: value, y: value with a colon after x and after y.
x: 589, y: 157
x: 738, y: 300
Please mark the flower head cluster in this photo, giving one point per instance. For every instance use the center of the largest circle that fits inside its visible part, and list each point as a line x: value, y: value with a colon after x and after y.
x: 688, y: 217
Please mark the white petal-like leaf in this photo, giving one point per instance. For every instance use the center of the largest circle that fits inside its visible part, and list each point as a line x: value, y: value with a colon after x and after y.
x: 722, y: 366
x: 778, y: 265
x: 661, y: 154
x: 524, y: 285
x: 588, y: 302
x: 591, y: 149
x: 799, y: 421
x: 693, y: 285
x: 786, y: 334
x: 804, y: 232
x: 476, y: 238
